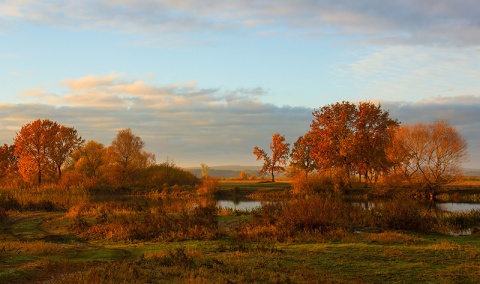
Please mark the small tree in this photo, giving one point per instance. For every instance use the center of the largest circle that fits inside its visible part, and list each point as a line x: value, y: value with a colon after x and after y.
x: 301, y: 156
x: 8, y: 163
x: 128, y: 156
x: 242, y: 175
x: 65, y: 142
x: 275, y: 164
x: 205, y: 170
x: 89, y: 158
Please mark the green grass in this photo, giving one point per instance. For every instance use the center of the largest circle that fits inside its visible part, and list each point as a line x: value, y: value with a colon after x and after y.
x: 358, y: 258
x: 37, y: 247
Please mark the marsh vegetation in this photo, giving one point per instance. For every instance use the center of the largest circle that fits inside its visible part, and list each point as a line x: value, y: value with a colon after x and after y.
x: 85, y: 238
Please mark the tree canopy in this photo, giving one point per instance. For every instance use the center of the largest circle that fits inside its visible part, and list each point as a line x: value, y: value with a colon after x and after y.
x: 348, y: 137
x: 42, y: 147
x: 275, y: 163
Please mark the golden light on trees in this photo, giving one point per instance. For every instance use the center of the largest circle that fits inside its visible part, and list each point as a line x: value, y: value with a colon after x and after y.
x: 89, y: 158
x: 348, y: 137
x: 301, y: 156
x: 431, y: 154
x: 8, y: 161
x: 127, y: 156
x: 65, y: 141
x: 275, y: 163
x: 42, y: 147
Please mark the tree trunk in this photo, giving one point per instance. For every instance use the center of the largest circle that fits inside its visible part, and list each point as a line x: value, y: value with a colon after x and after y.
x: 59, y: 172
x: 273, y: 177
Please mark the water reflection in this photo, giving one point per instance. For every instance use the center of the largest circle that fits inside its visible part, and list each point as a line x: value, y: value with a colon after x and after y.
x: 458, y: 207
x: 444, y: 206
x: 239, y: 205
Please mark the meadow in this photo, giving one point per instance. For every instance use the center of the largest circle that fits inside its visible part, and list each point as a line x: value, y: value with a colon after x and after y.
x: 76, y: 237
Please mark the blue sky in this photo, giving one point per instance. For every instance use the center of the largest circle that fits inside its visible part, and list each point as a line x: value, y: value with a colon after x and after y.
x: 205, y: 81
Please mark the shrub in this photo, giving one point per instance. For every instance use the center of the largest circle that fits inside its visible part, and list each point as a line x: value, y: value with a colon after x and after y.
x: 401, y: 214
x: 209, y: 185
x: 315, y: 183
x: 8, y: 202
x: 3, y: 214
x: 102, y: 222
x: 319, y: 215
x: 461, y: 220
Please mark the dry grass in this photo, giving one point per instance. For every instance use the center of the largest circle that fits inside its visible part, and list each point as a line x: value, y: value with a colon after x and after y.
x: 392, y: 238
x: 9, y: 248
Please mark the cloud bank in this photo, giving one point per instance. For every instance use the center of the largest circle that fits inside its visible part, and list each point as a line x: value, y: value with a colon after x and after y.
x: 194, y: 125
x: 437, y: 22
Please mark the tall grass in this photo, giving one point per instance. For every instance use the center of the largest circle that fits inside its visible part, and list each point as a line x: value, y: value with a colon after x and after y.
x: 131, y: 224
x: 401, y: 214
x: 461, y: 221
x: 317, y: 216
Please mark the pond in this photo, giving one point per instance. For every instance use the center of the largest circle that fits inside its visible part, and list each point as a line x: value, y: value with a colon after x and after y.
x: 458, y: 206
x: 247, y: 204
x: 239, y: 205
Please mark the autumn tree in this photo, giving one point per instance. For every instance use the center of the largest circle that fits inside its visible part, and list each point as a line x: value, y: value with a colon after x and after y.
x: 332, y: 132
x: 275, y: 163
x: 33, y: 145
x: 128, y: 156
x: 348, y: 137
x: 433, y: 154
x: 301, y: 156
x: 89, y: 158
x: 8, y: 162
x: 242, y: 175
x: 42, y: 147
x: 65, y: 141
x: 373, y: 135
x: 205, y: 170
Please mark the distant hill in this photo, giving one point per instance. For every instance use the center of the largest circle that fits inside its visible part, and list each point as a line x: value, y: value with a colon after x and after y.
x: 228, y: 171
x: 471, y: 172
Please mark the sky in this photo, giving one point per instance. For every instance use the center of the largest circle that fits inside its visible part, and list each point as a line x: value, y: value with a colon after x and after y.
x: 206, y: 81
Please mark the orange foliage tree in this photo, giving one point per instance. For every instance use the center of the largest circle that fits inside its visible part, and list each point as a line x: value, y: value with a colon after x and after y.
x: 280, y: 150
x: 374, y: 131
x: 42, y: 147
x: 8, y: 162
x: 127, y: 157
x: 332, y: 132
x: 89, y: 159
x: 301, y: 156
x: 66, y: 141
x: 349, y: 138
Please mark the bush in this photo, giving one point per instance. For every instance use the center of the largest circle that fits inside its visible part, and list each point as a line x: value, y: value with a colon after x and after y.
x: 8, y: 203
x: 319, y: 215
x: 209, y: 186
x: 315, y: 183
x: 401, y: 214
x: 129, y: 224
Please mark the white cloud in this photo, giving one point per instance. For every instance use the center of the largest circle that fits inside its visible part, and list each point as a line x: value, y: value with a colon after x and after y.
x: 437, y: 22
x: 90, y: 81
x: 414, y: 73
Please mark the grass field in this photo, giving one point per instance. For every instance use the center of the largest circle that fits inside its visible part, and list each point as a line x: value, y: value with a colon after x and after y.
x: 44, y: 247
